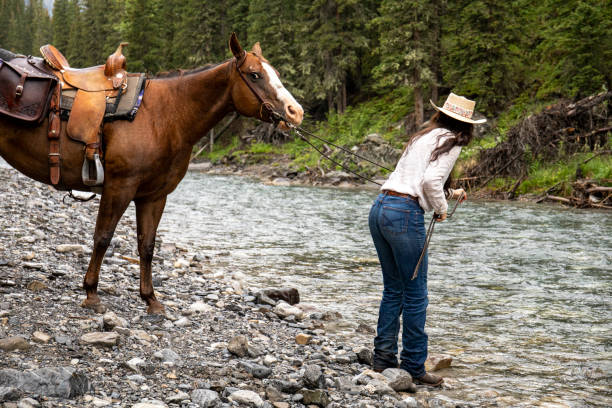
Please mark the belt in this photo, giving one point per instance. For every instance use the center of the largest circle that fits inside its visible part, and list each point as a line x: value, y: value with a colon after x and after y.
x: 396, y: 194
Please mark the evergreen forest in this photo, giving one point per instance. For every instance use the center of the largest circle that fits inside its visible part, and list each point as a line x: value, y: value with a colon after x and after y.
x: 364, y: 66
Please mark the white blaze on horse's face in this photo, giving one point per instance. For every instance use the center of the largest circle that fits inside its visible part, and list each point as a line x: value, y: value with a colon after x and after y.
x: 292, y: 110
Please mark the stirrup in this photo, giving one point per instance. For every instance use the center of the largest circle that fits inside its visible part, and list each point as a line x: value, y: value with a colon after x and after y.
x: 98, y: 179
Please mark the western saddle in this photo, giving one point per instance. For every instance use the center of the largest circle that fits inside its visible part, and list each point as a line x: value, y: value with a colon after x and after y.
x: 93, y: 87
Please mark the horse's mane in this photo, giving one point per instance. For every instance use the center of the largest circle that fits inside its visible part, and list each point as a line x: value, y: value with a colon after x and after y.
x: 175, y: 73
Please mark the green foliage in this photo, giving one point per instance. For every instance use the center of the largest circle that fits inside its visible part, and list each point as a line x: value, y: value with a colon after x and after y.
x: 576, y: 48
x: 406, y: 43
x: 485, y: 44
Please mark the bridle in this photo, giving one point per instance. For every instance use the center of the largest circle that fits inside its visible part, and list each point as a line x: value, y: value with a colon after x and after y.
x: 266, y: 106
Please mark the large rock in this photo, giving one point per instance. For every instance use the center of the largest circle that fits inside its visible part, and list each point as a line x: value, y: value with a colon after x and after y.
x: 246, y: 397
x: 205, y: 398
x: 438, y: 362
x: 313, y: 376
x: 284, y: 310
x: 63, y: 382
x: 238, y: 346
x: 70, y: 248
x: 364, y: 355
x: 111, y: 320
x: 400, y: 380
x: 315, y: 397
x: 40, y: 337
x: 271, y: 296
x: 14, y: 343
x: 168, y: 356
x: 107, y: 339
x: 9, y: 394
x: 257, y: 370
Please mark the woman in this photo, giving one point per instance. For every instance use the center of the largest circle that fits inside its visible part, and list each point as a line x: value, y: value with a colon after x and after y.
x: 397, y: 227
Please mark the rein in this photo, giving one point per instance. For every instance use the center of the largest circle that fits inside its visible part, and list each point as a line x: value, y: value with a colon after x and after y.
x: 276, y: 118
x: 430, y: 231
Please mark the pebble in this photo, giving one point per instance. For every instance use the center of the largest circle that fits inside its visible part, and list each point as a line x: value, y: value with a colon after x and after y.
x: 303, y: 338
x: 238, y: 346
x: 40, y: 337
x: 315, y: 397
x: 14, y: 343
x: 37, y: 286
x: 111, y: 320
x: 167, y: 356
x: 284, y: 310
x: 135, y: 364
x: 104, y: 339
x: 201, y: 307
x: 70, y: 248
x: 177, y: 398
x: 438, y: 362
x: 247, y: 397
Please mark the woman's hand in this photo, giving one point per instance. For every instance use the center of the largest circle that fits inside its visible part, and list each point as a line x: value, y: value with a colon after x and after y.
x: 459, y: 194
x: 440, y: 217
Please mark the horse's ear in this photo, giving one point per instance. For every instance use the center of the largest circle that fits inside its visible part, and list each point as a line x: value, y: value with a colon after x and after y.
x: 257, y: 50
x: 235, y: 46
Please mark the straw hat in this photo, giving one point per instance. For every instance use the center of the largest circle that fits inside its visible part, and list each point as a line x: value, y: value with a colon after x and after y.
x: 459, y: 108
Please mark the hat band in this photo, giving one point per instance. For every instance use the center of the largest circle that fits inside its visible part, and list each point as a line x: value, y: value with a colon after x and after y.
x: 466, y: 113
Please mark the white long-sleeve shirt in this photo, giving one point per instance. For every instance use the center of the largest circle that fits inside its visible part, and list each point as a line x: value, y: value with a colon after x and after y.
x: 417, y: 176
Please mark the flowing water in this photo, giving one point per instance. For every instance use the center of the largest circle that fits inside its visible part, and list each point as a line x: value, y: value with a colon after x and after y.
x: 520, y: 294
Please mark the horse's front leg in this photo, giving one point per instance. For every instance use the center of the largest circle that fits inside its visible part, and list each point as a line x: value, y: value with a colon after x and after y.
x: 113, y: 204
x: 148, y: 214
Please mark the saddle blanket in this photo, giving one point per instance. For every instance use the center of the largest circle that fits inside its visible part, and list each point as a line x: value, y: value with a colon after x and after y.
x: 123, y: 107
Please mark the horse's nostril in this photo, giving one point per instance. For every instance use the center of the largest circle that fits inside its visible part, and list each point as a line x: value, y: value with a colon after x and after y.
x: 291, y: 110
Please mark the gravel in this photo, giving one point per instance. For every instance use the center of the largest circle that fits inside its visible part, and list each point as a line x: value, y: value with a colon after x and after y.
x: 215, y: 347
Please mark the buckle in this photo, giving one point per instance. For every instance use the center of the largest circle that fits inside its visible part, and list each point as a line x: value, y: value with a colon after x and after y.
x: 19, y: 90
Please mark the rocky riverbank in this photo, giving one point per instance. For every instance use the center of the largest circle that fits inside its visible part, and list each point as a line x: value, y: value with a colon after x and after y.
x: 221, y: 344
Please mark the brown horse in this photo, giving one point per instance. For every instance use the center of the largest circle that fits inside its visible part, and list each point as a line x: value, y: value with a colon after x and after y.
x: 147, y: 158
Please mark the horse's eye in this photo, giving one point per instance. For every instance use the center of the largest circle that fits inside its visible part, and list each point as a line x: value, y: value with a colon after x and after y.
x: 255, y: 76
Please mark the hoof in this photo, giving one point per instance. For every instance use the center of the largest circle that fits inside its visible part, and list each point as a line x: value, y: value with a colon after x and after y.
x: 96, y: 306
x: 156, y: 308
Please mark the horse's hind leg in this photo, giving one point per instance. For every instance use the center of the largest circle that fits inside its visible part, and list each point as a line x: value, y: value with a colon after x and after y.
x: 148, y: 214
x: 112, y: 207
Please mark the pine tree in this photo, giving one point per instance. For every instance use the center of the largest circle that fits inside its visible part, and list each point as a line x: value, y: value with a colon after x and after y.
x: 141, y: 30
x: 484, y: 51
x: 41, y: 26
x: 407, y: 33
x: 61, y: 23
x: 333, y: 42
x: 576, y: 50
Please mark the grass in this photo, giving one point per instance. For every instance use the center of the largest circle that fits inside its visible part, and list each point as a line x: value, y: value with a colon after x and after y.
x: 543, y: 176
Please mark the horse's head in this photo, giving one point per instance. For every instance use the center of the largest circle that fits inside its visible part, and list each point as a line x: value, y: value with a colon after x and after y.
x: 256, y: 88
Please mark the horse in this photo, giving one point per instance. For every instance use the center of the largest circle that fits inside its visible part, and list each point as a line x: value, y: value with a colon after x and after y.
x: 147, y: 158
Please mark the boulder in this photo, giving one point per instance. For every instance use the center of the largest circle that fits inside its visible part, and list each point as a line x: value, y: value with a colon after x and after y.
x: 103, y: 339
x: 14, y: 343
x: 205, y: 398
x: 248, y: 398
x: 62, y: 382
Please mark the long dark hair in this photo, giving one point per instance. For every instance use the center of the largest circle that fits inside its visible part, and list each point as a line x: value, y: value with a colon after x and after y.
x: 463, y: 133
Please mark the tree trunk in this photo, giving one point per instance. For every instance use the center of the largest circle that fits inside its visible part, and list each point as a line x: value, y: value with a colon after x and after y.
x: 418, y: 106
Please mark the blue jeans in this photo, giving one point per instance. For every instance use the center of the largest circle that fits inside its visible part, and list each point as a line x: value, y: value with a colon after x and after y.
x: 398, y: 231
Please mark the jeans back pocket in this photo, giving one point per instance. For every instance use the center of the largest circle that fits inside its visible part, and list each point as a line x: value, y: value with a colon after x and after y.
x: 394, y: 219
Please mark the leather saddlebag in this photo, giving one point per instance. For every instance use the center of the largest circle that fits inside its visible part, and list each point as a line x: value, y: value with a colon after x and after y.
x: 25, y: 90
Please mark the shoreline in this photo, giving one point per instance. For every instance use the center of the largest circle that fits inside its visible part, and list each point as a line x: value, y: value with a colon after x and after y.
x: 217, y: 343
x: 277, y: 175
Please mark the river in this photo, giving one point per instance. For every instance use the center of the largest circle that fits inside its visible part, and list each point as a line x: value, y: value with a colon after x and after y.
x: 520, y: 294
